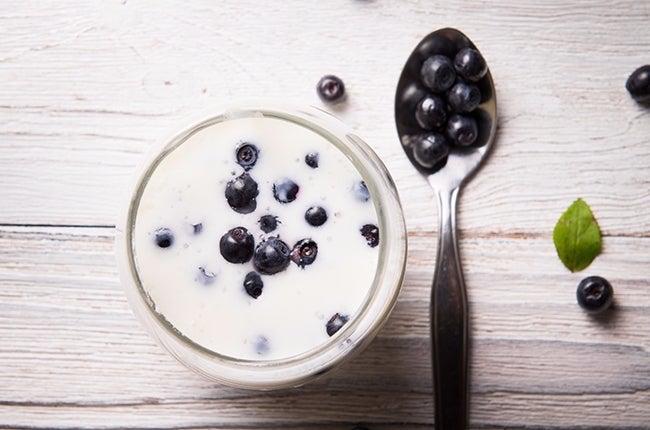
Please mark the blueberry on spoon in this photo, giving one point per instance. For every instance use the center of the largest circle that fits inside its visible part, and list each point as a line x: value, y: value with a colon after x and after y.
x: 430, y: 149
x: 431, y: 112
x: 464, y: 97
x: 470, y: 64
x: 462, y: 130
x: 438, y: 73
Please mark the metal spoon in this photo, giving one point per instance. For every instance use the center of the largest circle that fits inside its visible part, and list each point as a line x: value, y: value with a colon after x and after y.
x: 449, y: 316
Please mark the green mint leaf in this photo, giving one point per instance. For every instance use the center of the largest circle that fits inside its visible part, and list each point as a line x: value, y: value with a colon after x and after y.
x: 577, y: 236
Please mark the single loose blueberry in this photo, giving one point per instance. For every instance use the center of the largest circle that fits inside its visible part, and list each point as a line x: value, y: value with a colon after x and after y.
x: 237, y: 245
x: 268, y: 223
x: 285, y: 190
x: 438, y: 73
x: 316, y: 216
x: 462, y: 130
x: 311, y: 159
x: 361, y: 192
x: 470, y: 64
x: 638, y: 84
x: 253, y: 284
x: 205, y: 276
x: 241, y: 193
x: 271, y: 256
x: 304, y: 252
x: 164, y: 237
x: 371, y: 233
x: 246, y: 155
x: 464, y: 97
x: 430, y: 149
x: 431, y: 112
x: 335, y: 323
x: 330, y: 89
x: 594, y: 294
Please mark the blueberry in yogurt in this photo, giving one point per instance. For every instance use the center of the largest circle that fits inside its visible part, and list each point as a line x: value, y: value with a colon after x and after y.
x: 205, y: 276
x: 438, y: 73
x: 470, y: 64
x: 271, y: 256
x: 371, y: 233
x: 164, y: 237
x: 237, y: 245
x: 197, y: 228
x: 268, y: 223
x: 431, y: 112
x: 464, y: 97
x: 304, y: 252
x: 253, y: 284
x: 285, y: 190
x: 246, y: 154
x: 361, y: 192
x: 336, y: 323
x: 316, y: 216
x: 462, y: 130
x: 241, y: 193
x: 312, y: 159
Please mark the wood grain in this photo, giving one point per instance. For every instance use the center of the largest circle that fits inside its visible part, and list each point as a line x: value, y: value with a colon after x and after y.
x: 89, y: 86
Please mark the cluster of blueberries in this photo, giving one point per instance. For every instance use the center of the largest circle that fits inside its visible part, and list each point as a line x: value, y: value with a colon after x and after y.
x: 272, y: 255
x: 445, y: 112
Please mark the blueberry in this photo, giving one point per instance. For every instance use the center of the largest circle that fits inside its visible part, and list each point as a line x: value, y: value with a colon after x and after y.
x: 361, y: 192
x: 311, y: 159
x: 237, y: 245
x: 464, y: 97
x: 164, y: 237
x: 246, y: 155
x: 330, y: 89
x: 316, y: 216
x: 431, y: 112
x: 638, y: 84
x: 261, y: 345
x: 241, y: 193
x: 205, y: 276
x: 253, y: 284
x: 335, y: 323
x: 438, y: 73
x: 371, y: 233
x: 430, y: 149
x: 268, y: 223
x: 285, y: 190
x: 462, y: 130
x: 470, y: 64
x: 197, y: 228
x: 271, y: 256
x: 594, y: 294
x: 304, y: 252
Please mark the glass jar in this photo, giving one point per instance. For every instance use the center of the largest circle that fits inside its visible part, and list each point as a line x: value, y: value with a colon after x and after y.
x: 352, y: 338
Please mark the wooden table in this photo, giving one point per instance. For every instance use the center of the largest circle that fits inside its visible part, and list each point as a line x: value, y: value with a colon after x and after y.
x: 87, y: 87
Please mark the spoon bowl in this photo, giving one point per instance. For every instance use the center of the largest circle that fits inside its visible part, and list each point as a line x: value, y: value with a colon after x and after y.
x: 449, y: 315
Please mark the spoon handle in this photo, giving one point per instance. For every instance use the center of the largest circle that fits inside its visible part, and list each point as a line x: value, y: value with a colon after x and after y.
x: 449, y: 324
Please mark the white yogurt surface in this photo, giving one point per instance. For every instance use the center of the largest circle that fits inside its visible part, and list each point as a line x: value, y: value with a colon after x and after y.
x: 291, y: 314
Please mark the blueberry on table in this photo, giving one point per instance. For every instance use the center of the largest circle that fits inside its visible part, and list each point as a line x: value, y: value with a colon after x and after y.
x: 268, y: 223
x: 304, y: 252
x: 371, y: 233
x: 285, y: 190
x: 246, y: 154
x: 431, y: 112
x: 335, y: 323
x: 594, y: 294
x: 360, y: 190
x: 430, y: 149
x: 438, y: 73
x: 638, y: 84
x: 462, y: 130
x: 237, y: 245
x: 253, y: 284
x: 164, y: 237
x: 470, y: 64
x: 311, y: 159
x: 464, y: 97
x: 330, y: 89
x: 271, y: 256
x: 316, y: 216
x: 241, y: 193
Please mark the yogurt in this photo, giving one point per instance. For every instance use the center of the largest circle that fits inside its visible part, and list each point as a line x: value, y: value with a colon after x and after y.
x: 185, y: 214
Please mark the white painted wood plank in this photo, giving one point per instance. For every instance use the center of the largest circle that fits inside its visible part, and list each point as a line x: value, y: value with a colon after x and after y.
x: 89, y: 86
x: 72, y: 351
